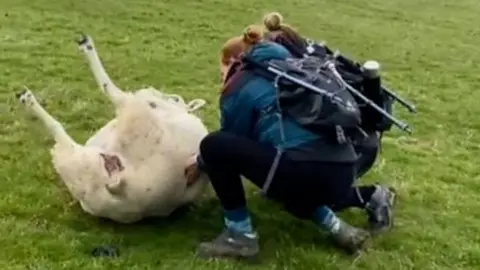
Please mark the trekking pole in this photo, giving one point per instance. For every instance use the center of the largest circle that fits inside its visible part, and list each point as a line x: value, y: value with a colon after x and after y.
x: 283, y: 74
x: 337, y: 55
x: 402, y: 101
x: 403, y: 126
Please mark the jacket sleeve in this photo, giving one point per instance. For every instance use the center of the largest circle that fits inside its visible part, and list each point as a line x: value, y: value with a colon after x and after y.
x: 237, y: 112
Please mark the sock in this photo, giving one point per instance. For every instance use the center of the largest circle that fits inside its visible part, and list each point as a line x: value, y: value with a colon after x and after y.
x: 326, y: 218
x: 238, y: 220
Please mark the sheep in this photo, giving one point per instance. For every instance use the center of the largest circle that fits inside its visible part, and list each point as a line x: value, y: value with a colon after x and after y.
x: 133, y: 167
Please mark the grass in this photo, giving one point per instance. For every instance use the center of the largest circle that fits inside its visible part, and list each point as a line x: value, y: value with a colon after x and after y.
x: 429, y: 52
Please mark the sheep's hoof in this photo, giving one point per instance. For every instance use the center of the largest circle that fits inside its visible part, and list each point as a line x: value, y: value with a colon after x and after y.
x: 83, y: 39
x: 21, y: 93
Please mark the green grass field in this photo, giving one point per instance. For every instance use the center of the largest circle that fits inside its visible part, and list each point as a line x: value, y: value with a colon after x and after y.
x: 429, y: 52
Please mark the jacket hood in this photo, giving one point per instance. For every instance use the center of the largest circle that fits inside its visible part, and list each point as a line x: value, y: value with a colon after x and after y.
x: 268, y: 50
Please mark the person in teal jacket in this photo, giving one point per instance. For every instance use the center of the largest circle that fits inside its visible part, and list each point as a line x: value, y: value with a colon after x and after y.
x: 295, y: 167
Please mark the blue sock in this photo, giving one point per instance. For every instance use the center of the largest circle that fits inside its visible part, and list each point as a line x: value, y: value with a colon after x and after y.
x: 326, y: 218
x: 238, y: 220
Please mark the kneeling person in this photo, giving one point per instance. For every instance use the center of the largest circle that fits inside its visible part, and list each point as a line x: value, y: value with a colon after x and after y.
x: 308, y: 176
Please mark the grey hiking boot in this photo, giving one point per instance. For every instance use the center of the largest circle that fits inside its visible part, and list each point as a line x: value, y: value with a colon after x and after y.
x: 380, y: 209
x: 230, y: 245
x: 350, y: 238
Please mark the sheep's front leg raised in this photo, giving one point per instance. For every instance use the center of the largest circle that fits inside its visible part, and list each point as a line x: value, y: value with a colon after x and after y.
x: 27, y: 98
x: 86, y: 45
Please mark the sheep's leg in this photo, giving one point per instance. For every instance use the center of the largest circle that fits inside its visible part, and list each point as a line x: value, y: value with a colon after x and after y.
x: 111, y: 162
x: 27, y: 98
x: 102, y: 78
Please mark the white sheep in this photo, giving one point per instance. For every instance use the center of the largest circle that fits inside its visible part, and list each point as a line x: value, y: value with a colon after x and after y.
x: 133, y: 167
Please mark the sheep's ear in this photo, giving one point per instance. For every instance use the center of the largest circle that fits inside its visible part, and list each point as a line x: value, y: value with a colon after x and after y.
x: 116, y: 187
x: 195, y: 104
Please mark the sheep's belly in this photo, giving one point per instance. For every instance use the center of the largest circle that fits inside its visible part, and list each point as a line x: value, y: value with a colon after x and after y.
x: 156, y: 187
x: 158, y: 184
x: 104, y: 137
x: 187, y: 129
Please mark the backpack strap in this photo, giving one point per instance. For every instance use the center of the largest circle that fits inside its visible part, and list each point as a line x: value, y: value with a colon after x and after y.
x: 240, y: 74
x: 236, y: 81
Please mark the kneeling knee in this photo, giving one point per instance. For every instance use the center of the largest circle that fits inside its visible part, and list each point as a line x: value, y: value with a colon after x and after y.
x: 209, y: 142
x: 213, y: 144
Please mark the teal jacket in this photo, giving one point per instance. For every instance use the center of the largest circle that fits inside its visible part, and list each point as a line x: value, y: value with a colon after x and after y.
x: 247, y: 109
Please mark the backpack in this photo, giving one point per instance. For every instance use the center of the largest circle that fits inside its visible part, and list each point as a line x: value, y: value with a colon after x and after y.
x: 332, y: 111
x: 352, y: 73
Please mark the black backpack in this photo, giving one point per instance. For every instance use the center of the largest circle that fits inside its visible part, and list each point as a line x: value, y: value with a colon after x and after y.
x: 352, y: 73
x: 333, y: 112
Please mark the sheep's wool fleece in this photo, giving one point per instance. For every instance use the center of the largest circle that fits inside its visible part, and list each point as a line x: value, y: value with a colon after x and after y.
x: 153, y: 143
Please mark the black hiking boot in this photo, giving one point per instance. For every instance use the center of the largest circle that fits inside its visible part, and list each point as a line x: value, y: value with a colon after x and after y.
x: 380, y: 209
x: 350, y: 238
x: 230, y: 245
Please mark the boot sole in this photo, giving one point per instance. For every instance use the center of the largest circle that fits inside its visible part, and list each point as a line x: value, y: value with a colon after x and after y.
x: 361, y: 246
x: 366, y: 242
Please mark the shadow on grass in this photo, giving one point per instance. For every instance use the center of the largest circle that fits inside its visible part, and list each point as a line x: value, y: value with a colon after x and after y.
x: 178, y: 235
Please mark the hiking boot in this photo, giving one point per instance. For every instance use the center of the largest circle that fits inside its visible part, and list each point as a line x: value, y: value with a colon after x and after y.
x: 380, y: 209
x: 350, y: 238
x: 230, y: 244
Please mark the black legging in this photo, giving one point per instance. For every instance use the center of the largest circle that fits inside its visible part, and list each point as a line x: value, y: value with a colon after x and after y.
x: 300, y: 186
x: 367, y: 149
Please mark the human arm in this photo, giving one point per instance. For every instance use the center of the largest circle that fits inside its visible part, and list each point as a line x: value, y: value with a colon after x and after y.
x: 237, y: 113
x: 237, y: 117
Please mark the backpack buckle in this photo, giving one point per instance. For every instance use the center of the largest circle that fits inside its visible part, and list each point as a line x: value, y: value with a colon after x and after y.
x: 341, y: 138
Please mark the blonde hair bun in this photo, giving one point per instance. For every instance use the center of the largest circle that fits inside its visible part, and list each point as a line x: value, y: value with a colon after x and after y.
x: 273, y: 21
x: 253, y: 34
